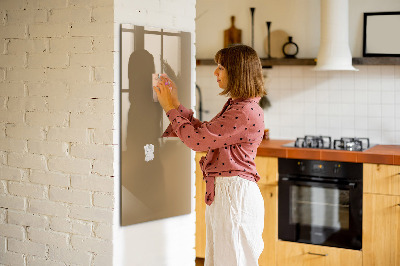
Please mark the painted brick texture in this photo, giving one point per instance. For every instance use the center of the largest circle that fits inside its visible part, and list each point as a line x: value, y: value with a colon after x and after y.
x: 56, y: 127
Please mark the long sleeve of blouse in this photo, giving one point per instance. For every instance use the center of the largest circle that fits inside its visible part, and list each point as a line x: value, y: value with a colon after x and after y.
x: 186, y: 113
x: 225, y: 130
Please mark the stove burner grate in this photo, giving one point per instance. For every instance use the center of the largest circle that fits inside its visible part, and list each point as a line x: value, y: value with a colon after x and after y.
x: 351, y: 144
x: 321, y: 142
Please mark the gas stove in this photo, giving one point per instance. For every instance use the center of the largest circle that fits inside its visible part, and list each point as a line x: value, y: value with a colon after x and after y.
x: 325, y: 142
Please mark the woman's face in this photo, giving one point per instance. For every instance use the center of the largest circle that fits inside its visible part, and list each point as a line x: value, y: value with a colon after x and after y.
x: 222, y: 76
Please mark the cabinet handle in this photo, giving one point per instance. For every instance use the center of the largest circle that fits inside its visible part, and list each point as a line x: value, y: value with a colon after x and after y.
x: 318, y: 254
x: 398, y: 204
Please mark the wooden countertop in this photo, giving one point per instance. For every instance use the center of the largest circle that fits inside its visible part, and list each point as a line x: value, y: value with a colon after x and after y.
x: 379, y: 154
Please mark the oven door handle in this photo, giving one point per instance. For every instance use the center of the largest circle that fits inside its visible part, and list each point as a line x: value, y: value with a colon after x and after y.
x: 329, y: 184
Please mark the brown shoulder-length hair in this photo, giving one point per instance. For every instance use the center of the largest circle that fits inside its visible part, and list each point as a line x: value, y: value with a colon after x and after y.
x: 245, y: 77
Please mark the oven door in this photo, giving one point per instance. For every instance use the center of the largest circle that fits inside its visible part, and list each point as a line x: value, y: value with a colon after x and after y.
x: 320, y: 212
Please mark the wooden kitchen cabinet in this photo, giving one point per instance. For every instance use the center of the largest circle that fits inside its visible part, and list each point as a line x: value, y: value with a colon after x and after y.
x: 381, y: 215
x: 267, y: 167
x: 298, y: 254
x: 381, y: 179
x: 200, y: 209
x: 270, y: 233
x: 381, y: 230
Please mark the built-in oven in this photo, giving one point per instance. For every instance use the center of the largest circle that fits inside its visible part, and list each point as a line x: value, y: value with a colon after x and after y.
x: 320, y: 202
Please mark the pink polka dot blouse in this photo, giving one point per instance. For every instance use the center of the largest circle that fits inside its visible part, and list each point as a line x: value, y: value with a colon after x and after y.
x: 231, y: 139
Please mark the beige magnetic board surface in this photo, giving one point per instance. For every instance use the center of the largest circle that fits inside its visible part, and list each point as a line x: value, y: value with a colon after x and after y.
x: 155, y: 171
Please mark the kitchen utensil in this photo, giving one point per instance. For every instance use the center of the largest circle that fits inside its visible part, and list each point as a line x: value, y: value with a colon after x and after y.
x: 232, y: 35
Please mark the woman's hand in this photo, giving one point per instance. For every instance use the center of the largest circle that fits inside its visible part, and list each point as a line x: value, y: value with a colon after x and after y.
x: 164, y: 94
x: 174, y: 94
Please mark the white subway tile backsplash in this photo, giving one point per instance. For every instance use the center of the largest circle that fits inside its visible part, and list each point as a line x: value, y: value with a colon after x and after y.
x: 348, y: 96
x: 284, y: 83
x: 374, y: 97
x: 388, y: 124
x: 374, y: 70
x: 388, y: 84
x: 347, y: 77
x: 284, y: 72
x: 322, y: 121
x: 322, y: 83
x: 310, y: 130
x: 297, y: 97
x: 309, y: 95
x: 322, y: 95
x: 374, y: 123
x: 348, y: 133
x: 335, y: 122
x: 361, y: 123
x: 334, y: 81
x: 374, y: 83
x: 297, y: 83
x: 322, y: 74
x: 389, y: 136
x: 375, y: 136
x: 397, y: 72
x: 286, y: 120
x: 360, y: 97
x: 374, y: 111
x: 310, y: 109
x: 322, y: 109
x: 387, y: 72
x: 397, y: 110
x: 360, y: 81
x: 347, y: 110
x: 365, y: 103
x: 360, y: 133
x: 298, y: 120
x: 308, y: 72
x: 335, y: 95
x: 348, y: 122
x: 388, y: 111
x: 361, y: 110
x: 388, y: 97
x: 297, y: 72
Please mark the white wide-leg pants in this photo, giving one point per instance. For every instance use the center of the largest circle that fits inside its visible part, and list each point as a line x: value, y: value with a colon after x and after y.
x: 234, y: 223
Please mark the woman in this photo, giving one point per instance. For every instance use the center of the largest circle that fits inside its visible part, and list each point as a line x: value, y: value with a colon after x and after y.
x: 235, y: 207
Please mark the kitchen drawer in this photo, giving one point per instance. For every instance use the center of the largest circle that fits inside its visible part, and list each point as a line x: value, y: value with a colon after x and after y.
x: 267, y: 168
x: 298, y: 254
x: 381, y: 179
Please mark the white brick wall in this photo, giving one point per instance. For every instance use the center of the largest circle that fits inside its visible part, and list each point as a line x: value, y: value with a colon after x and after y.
x: 56, y: 122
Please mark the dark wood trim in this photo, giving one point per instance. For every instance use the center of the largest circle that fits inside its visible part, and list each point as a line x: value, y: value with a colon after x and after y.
x: 312, y: 61
x: 376, y: 61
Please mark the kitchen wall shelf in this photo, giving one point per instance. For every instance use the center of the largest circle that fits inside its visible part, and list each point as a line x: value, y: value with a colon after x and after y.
x: 312, y: 61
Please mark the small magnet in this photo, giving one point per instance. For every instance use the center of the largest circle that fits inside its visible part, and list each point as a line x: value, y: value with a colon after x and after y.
x: 148, y: 152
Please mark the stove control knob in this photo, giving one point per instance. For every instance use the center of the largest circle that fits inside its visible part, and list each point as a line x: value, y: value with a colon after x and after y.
x: 302, y: 167
x: 336, y: 169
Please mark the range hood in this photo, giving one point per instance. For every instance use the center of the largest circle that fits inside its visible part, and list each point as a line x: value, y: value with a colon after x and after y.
x: 334, y: 51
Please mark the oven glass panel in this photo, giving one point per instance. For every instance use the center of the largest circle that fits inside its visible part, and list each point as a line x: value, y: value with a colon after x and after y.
x: 318, y: 207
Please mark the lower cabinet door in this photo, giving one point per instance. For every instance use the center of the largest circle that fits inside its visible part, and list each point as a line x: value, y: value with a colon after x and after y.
x: 381, y: 230
x: 200, y: 209
x: 298, y: 254
x: 270, y: 233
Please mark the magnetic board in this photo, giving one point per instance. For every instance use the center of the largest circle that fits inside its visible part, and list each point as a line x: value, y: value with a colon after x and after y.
x: 155, y: 171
